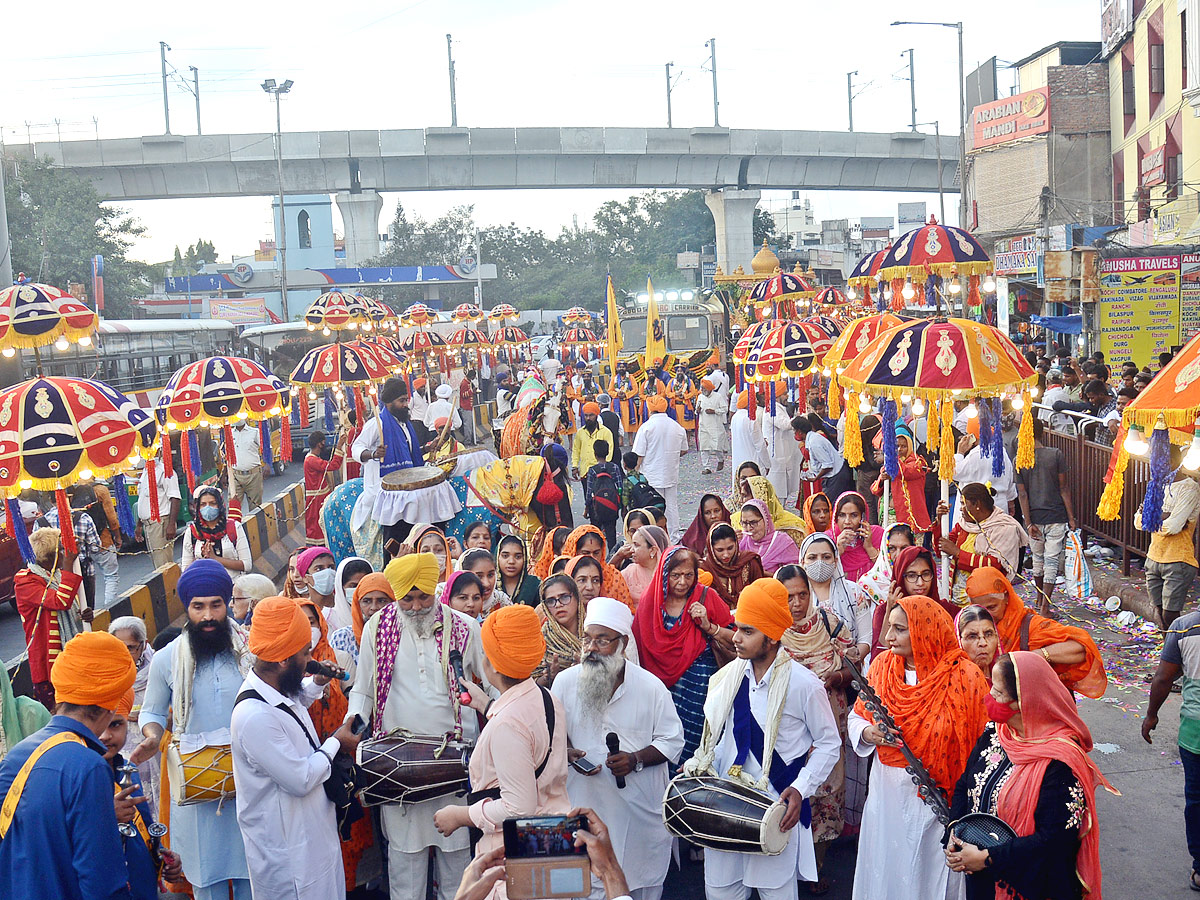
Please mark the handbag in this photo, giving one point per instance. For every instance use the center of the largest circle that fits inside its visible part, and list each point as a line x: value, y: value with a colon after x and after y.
x: 984, y: 830
x: 339, y: 786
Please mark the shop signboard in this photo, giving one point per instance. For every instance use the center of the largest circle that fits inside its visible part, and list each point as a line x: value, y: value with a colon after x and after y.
x: 1016, y: 255
x: 1019, y: 116
x: 1189, y: 297
x: 1138, y: 313
x: 1154, y: 166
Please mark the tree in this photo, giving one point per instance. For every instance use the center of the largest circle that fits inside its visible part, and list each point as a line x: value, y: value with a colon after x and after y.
x: 201, y: 251
x: 57, y: 223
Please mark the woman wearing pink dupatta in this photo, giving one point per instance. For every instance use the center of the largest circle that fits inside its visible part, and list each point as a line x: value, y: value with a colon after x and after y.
x: 1031, y: 768
x: 759, y: 536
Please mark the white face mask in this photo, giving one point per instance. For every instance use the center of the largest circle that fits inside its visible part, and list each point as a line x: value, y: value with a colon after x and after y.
x: 820, y: 570
x: 316, y: 635
x: 323, y: 581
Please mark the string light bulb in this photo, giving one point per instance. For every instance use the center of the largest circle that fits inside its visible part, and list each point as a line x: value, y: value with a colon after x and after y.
x: 85, y: 341
x: 864, y: 405
x: 851, y: 294
x: 906, y: 397
x: 1018, y: 403
x: 1191, y: 459
x: 972, y: 410
x: 62, y: 344
x: 908, y: 292
x: 9, y: 352
x: 325, y: 331
x: 918, y: 408
x: 989, y: 284
x: 955, y: 287
x: 1135, y: 442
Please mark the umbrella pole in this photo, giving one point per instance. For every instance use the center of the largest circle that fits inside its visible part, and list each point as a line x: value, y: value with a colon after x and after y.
x: 945, y: 575
x: 885, y: 501
x: 37, y: 355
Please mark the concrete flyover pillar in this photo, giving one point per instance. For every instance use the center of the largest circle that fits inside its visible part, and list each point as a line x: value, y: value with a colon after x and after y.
x: 360, y: 217
x: 733, y: 212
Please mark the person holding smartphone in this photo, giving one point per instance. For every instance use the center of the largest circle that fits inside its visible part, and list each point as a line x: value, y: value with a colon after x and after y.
x: 623, y: 730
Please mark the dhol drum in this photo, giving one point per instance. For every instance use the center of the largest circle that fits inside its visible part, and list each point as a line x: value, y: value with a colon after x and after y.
x: 724, y: 815
x: 200, y: 776
x: 413, y: 479
x: 400, y: 767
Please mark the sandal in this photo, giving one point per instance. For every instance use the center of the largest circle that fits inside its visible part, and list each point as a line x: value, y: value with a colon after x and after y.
x: 1193, y: 883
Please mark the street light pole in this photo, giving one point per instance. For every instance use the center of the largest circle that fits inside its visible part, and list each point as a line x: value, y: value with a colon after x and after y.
x: 711, y: 43
x: 912, y: 88
x: 162, y: 56
x: 272, y: 88
x: 669, y: 94
x: 937, y: 132
x: 453, y: 101
x: 196, y: 92
x: 850, y: 97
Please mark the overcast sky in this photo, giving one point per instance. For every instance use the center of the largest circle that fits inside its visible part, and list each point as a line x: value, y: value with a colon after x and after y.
x: 371, y: 65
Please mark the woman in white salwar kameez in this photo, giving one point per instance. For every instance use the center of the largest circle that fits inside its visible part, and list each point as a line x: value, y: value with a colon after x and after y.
x: 936, y: 700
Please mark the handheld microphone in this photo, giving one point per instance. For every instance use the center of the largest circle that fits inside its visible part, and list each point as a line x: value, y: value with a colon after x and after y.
x: 456, y: 664
x: 614, y: 746
x: 320, y: 668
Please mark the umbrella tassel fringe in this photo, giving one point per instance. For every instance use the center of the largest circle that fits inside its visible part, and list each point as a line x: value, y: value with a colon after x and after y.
x: 853, y: 442
x: 946, y: 452
x: 65, y: 525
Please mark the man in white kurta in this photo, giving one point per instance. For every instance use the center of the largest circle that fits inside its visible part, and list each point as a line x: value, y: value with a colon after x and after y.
x: 774, y: 688
x: 442, y: 408
x: 640, y: 712
x: 287, y: 821
x: 713, y: 410
x: 659, y: 443
x: 783, y: 451
x: 420, y: 699
x: 746, y: 435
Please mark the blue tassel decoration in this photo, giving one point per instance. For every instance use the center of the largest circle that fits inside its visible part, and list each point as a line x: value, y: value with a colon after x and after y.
x: 268, y: 453
x: 124, y: 511
x: 772, y: 398
x: 931, y: 286
x: 985, y: 429
x: 891, y: 451
x: 301, y: 397
x: 1160, y: 476
x: 14, y: 509
x: 997, y: 438
x: 194, y: 442
x: 330, y: 422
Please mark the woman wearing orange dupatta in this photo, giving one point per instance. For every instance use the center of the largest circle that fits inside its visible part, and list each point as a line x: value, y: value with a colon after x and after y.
x: 936, y: 696
x: 588, y: 540
x: 1031, y: 769
x: 541, y: 568
x: 1070, y: 650
x: 818, y: 513
x: 328, y: 713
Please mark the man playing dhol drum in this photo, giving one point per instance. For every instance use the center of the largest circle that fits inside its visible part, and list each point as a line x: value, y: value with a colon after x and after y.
x: 404, y: 682
x: 387, y: 443
x: 765, y: 704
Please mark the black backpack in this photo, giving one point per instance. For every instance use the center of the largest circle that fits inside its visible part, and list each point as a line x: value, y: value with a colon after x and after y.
x: 606, y: 498
x: 643, y: 496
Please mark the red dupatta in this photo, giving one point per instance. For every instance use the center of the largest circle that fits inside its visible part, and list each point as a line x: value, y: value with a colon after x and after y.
x: 668, y: 654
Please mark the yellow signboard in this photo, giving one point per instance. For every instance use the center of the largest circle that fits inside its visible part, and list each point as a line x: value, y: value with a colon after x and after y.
x: 1138, y: 314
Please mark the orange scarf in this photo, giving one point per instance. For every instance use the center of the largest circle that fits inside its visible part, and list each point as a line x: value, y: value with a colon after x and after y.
x: 614, y: 582
x: 541, y: 568
x: 942, y: 715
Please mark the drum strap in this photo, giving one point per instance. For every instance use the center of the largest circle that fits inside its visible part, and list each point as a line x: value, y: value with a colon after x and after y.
x: 9, y: 809
x: 494, y: 793
x: 749, y: 738
x: 1025, y: 623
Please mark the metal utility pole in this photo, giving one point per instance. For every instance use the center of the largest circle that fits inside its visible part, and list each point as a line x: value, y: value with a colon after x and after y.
x: 478, y: 272
x: 163, y: 47
x: 912, y: 88
x: 453, y: 101
x: 272, y: 88
x: 6, y: 273
x: 937, y: 132
x: 196, y: 92
x: 669, y: 94
x: 850, y: 97
x: 711, y: 43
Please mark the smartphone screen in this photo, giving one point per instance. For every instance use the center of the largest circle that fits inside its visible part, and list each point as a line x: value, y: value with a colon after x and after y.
x: 585, y: 765
x: 542, y: 837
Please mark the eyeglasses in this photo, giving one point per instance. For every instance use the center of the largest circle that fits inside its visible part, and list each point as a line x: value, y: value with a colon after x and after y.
x: 557, y: 600
x: 600, y: 643
x: 914, y: 577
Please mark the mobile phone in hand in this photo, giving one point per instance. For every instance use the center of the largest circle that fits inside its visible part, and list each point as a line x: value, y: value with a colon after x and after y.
x: 585, y: 766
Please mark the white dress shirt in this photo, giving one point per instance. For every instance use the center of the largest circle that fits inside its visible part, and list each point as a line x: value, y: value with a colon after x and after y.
x: 747, y: 437
x: 641, y: 714
x: 288, y: 823
x: 822, y: 454
x: 660, y: 441
x: 247, y: 444
x: 168, y: 488
x: 441, y: 409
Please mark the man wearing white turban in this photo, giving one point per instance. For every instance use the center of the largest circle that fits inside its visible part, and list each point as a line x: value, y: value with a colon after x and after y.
x: 609, y: 696
x: 442, y: 408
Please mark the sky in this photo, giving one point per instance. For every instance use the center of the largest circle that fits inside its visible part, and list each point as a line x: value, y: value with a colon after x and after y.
x: 519, y: 63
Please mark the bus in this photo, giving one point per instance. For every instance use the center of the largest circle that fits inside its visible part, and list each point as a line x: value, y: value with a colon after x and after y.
x: 699, y: 324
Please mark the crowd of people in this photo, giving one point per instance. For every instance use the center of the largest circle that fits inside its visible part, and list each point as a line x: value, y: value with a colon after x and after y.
x: 753, y: 640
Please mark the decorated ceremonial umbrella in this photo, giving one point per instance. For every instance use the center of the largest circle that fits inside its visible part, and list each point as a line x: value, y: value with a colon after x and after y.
x: 35, y: 315
x: 865, y: 275
x: 467, y: 312
x: 830, y: 297
x: 853, y: 340
x: 470, y: 340
x: 786, y: 352
x: 218, y: 392
x: 504, y: 312
x: 513, y: 341
x: 337, y: 311
x: 381, y: 316
x: 782, y: 286
x: 55, y: 432
x: 418, y: 316
x: 741, y: 350
x: 351, y: 366
x: 388, y: 342
x: 387, y: 357
x: 832, y: 327
x: 577, y: 315
x: 582, y: 341
x: 930, y: 254
x: 421, y: 347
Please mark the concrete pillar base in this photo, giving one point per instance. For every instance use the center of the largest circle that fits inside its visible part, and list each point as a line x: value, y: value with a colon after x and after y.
x: 360, y: 217
x: 733, y: 212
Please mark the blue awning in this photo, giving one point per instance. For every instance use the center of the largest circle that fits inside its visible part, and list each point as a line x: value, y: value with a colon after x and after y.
x: 1060, y: 324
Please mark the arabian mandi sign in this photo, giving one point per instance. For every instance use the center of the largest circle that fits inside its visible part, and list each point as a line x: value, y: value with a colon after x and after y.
x: 1019, y: 116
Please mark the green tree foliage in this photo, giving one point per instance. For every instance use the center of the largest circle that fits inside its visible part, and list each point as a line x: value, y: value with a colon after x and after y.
x: 57, y: 223
x: 201, y: 251
x: 631, y: 238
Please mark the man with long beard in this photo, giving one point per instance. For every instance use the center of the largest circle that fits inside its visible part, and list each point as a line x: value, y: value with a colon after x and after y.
x: 287, y: 820
x: 196, y: 678
x: 388, y: 442
x: 608, y: 695
x: 405, y: 681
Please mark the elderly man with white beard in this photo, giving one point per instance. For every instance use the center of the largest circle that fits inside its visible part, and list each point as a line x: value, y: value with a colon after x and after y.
x: 405, y: 681
x: 608, y: 696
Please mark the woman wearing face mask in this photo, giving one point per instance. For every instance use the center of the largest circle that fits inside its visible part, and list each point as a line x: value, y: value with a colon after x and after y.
x: 858, y: 541
x: 211, y: 535
x: 913, y: 575
x: 819, y: 641
x: 832, y: 590
x: 712, y: 510
x: 514, y: 579
x: 648, y: 543
x: 562, y: 627
x: 294, y: 585
x: 818, y: 513
x: 935, y: 695
x: 1032, y: 769
x: 350, y: 571
x: 759, y: 536
x: 426, y: 538
x: 731, y: 567
x: 977, y: 635
x: 328, y: 712
x: 986, y: 536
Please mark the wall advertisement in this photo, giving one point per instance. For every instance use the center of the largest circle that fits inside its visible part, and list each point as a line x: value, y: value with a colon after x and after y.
x: 1022, y: 115
x: 1016, y: 255
x: 1138, y: 314
x: 248, y: 311
x: 1189, y: 297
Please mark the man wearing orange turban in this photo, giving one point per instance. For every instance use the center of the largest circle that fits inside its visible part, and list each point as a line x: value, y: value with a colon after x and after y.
x: 279, y: 769
x: 405, y: 681
x: 60, y: 819
x: 712, y: 409
x: 659, y: 444
x: 766, y: 705
x: 518, y: 741
x: 583, y: 452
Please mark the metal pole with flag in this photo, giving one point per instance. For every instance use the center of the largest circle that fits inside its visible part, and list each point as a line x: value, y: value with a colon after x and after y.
x: 614, y: 327
x: 656, y: 343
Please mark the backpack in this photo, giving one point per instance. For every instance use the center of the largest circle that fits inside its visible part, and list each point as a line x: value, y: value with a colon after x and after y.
x: 643, y: 496
x: 606, y: 499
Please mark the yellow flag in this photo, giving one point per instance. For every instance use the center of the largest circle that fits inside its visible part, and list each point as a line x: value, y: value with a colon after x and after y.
x: 656, y: 342
x: 615, y: 340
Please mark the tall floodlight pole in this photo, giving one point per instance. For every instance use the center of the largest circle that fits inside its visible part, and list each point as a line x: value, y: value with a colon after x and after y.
x: 196, y: 91
x: 453, y: 101
x: 669, y: 94
x: 163, y: 47
x: 277, y: 89
x: 711, y: 44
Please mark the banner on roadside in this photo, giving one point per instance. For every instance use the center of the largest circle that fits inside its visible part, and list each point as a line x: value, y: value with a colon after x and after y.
x: 1138, y: 313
